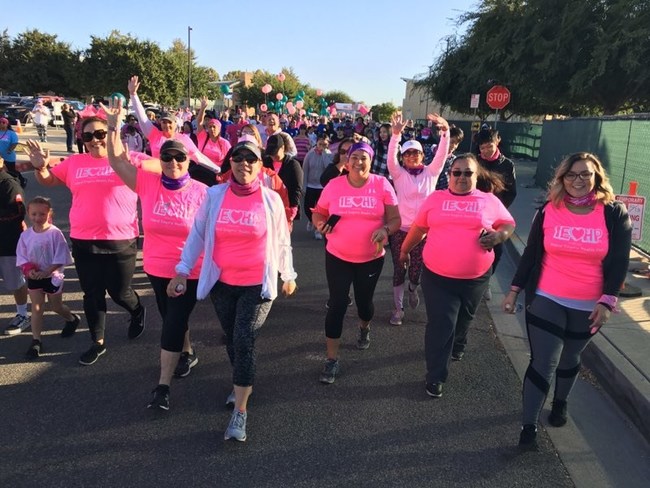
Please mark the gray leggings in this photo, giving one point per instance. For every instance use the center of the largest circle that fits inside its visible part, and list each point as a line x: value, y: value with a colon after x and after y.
x: 557, y: 337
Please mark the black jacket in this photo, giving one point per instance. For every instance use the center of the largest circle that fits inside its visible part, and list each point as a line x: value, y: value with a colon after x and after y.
x: 615, y: 263
x: 292, y: 176
x: 12, y: 213
x: 505, y: 168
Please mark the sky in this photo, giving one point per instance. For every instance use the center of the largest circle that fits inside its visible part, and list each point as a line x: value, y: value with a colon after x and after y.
x: 363, y: 48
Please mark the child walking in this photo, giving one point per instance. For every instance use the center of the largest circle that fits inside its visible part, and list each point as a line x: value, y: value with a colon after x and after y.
x: 42, y: 254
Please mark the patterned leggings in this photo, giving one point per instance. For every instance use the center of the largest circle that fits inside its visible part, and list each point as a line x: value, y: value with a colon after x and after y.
x: 415, y: 268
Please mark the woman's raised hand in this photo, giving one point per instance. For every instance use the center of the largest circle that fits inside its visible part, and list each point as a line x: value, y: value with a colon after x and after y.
x: 204, y: 102
x: 114, y: 112
x: 397, y: 123
x: 37, y: 156
x: 438, y: 121
x: 134, y: 84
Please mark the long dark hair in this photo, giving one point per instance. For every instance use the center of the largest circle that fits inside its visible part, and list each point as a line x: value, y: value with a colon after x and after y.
x: 486, y: 181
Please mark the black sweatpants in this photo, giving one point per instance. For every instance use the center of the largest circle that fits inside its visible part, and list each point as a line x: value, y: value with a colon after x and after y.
x: 101, y: 273
x: 340, y: 275
x: 175, y: 312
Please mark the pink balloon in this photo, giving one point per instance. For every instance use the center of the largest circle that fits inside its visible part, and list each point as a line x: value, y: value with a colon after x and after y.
x: 281, y: 77
x: 291, y: 110
x: 333, y: 112
x: 303, y: 111
x: 263, y: 107
x: 363, y: 110
x: 289, y: 105
x: 300, y: 104
x: 319, y: 92
x: 279, y: 96
x: 267, y: 88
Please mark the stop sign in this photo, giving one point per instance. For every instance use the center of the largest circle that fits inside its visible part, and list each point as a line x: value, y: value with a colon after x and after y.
x: 498, y: 97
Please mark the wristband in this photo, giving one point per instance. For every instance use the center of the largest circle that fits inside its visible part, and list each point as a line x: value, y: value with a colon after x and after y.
x: 609, y: 302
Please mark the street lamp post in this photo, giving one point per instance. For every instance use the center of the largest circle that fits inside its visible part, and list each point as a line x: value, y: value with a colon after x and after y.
x: 189, y: 68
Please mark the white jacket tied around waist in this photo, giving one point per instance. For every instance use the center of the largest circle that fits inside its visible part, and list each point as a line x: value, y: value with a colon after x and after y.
x: 201, y: 240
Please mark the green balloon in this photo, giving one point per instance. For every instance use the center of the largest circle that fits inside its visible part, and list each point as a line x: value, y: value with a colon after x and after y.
x: 301, y: 93
x: 119, y: 96
x: 270, y: 105
x: 225, y: 89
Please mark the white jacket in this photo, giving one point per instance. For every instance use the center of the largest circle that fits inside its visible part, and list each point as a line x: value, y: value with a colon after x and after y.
x: 201, y: 240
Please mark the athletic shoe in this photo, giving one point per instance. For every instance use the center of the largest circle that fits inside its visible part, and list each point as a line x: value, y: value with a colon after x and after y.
x: 434, y: 389
x: 186, y: 362
x: 487, y: 294
x: 71, y: 327
x: 318, y: 236
x: 310, y: 226
x: 160, y: 398
x: 396, y: 317
x: 92, y: 355
x: 136, y: 327
x: 364, y: 338
x: 330, y: 370
x: 528, y: 437
x: 34, y: 350
x: 414, y: 298
x: 236, y: 427
x: 558, y: 415
x: 18, y: 324
x: 457, y: 356
x: 231, y: 400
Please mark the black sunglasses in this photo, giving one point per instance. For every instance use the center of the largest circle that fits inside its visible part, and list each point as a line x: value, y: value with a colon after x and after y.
x: 239, y: 158
x: 458, y: 173
x: 99, y: 134
x: 169, y: 157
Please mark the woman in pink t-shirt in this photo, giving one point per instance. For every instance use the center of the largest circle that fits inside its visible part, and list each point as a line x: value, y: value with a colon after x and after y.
x: 209, y: 140
x: 169, y: 203
x: 573, y: 267
x: 357, y: 212
x: 462, y: 225
x: 103, y: 230
x: 242, y: 232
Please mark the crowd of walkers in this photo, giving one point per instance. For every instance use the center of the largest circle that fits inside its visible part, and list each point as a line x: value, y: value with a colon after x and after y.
x: 221, y: 195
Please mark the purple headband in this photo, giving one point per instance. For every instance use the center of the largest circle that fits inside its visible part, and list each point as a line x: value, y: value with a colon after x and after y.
x: 361, y: 146
x: 4, y: 119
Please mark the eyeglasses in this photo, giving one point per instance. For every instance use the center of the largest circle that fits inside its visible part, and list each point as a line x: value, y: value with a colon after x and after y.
x: 584, y: 176
x: 240, y: 159
x: 411, y: 153
x: 458, y: 173
x: 99, y: 134
x: 169, y: 157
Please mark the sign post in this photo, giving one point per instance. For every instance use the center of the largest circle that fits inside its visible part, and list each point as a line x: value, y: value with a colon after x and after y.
x: 497, y: 97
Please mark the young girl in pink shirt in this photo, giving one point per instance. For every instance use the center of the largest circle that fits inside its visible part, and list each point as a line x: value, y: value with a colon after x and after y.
x: 42, y: 254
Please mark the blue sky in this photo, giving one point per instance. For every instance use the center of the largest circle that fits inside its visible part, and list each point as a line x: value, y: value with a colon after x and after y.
x: 361, y: 47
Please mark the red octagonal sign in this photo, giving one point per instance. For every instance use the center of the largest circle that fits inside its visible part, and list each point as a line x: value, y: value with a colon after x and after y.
x: 498, y: 97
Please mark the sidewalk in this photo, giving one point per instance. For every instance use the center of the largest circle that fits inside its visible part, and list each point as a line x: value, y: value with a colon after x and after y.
x: 618, y: 356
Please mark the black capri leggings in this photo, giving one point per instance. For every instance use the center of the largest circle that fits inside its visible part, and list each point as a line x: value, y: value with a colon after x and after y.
x: 340, y: 274
x: 175, y: 312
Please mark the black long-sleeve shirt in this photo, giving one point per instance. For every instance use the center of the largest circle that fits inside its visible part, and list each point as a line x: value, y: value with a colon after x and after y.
x: 505, y: 168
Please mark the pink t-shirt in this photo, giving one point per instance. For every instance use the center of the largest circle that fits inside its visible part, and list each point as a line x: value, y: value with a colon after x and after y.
x: 157, y: 139
x: 575, y: 246
x: 43, y: 248
x: 216, y: 151
x: 103, y: 207
x: 167, y: 218
x: 362, y: 212
x: 454, y: 224
x: 240, y: 239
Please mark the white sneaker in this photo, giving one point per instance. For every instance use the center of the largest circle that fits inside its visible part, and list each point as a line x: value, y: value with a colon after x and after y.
x: 396, y: 317
x: 18, y: 324
x: 318, y: 236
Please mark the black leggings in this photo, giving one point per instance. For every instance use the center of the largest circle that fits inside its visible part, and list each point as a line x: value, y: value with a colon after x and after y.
x: 175, y: 312
x: 557, y: 337
x: 101, y: 273
x: 241, y: 311
x: 340, y: 274
x: 311, y: 199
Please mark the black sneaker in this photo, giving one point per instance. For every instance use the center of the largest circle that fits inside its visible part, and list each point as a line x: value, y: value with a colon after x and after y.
x: 136, y: 327
x: 558, y: 415
x: 71, y: 327
x: 92, y: 355
x: 160, y: 398
x: 434, y: 389
x: 186, y: 362
x: 457, y: 356
x: 330, y: 370
x: 34, y: 350
x: 364, y: 338
x: 528, y: 437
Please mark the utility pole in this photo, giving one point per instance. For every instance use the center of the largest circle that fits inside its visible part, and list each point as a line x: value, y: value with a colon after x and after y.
x: 189, y: 67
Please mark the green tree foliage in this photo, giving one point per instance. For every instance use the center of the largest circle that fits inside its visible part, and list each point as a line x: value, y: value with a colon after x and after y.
x: 383, y: 111
x: 336, y: 96
x: 578, y: 57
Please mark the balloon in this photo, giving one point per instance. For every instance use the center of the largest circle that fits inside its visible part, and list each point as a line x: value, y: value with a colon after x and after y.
x: 319, y: 92
x: 264, y: 108
x: 300, y: 104
x: 332, y: 112
x: 291, y: 110
x: 363, y: 110
x: 225, y: 89
x: 322, y: 102
x: 303, y: 111
x: 118, y: 95
x: 323, y: 111
x: 301, y: 93
x: 271, y: 105
x: 284, y: 98
x: 267, y: 89
x: 281, y: 77
x: 289, y: 105
x: 279, y: 97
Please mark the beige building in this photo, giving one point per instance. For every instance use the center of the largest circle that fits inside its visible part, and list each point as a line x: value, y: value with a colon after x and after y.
x: 417, y: 104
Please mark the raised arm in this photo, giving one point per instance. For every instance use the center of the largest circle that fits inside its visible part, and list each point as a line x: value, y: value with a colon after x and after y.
x: 117, y: 157
x: 397, y: 124
x: 40, y: 160
x: 143, y: 120
x: 435, y: 168
x: 201, y: 115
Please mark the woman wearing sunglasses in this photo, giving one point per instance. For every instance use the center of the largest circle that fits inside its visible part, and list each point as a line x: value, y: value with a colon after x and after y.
x: 413, y: 182
x: 242, y: 232
x: 572, y: 269
x: 103, y: 229
x: 169, y: 203
x: 462, y: 225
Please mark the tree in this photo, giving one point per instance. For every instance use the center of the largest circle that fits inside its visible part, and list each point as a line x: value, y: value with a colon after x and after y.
x: 337, y: 96
x: 383, y: 111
